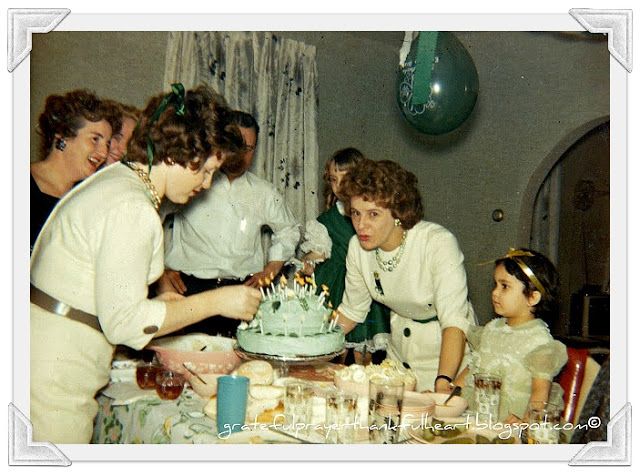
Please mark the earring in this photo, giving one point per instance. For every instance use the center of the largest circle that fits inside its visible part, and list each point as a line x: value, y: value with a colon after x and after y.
x: 60, y: 144
x: 398, y: 222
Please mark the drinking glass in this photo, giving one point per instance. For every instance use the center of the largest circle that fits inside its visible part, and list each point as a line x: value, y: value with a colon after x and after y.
x: 146, y: 375
x: 298, y: 404
x: 231, y: 404
x: 340, y: 417
x: 487, y: 397
x: 544, y: 423
x: 385, y: 409
x: 169, y: 384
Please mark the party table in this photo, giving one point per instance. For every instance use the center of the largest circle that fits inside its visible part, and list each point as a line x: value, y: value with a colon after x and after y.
x: 130, y: 415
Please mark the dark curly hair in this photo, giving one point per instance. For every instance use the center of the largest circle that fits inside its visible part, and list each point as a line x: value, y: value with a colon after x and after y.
x: 64, y: 115
x: 187, y: 139
x: 388, y: 185
x: 548, y: 307
x: 344, y: 159
x: 235, y: 165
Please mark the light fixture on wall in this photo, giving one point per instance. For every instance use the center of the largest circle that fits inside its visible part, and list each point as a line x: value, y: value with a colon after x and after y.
x: 437, y: 83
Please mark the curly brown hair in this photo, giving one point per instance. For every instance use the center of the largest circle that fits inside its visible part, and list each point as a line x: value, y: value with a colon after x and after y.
x: 388, y: 185
x: 188, y: 139
x: 344, y: 159
x: 65, y: 114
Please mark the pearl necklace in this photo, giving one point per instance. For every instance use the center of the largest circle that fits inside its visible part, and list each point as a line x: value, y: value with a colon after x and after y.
x: 152, y: 193
x: 391, y: 264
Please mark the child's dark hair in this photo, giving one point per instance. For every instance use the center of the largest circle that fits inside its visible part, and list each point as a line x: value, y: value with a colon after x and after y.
x: 344, y: 160
x: 546, y: 274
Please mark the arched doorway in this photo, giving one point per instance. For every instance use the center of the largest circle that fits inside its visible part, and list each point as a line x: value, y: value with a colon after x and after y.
x: 566, y: 216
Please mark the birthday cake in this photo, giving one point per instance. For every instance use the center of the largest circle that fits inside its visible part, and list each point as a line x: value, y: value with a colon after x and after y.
x: 292, y: 322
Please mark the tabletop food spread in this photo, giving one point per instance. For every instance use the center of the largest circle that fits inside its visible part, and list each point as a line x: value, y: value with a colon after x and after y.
x: 130, y: 414
x: 281, y: 385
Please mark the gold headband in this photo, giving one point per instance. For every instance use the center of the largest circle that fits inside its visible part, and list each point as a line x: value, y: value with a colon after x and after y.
x: 514, y: 255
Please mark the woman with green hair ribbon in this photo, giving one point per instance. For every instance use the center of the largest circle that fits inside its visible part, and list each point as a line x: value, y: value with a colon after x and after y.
x: 91, y: 269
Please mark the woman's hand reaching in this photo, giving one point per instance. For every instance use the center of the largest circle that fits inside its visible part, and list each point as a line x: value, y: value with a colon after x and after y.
x: 238, y: 302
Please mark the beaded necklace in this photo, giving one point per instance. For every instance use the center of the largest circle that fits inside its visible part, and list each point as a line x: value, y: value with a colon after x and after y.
x: 391, y: 264
x: 152, y: 193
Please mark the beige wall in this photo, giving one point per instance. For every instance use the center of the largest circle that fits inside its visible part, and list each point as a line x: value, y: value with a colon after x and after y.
x: 536, y: 88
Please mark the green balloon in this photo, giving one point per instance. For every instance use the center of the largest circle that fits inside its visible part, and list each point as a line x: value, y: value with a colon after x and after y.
x: 437, y: 88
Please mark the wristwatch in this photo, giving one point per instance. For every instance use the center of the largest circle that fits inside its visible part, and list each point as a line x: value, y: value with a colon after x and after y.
x: 445, y: 377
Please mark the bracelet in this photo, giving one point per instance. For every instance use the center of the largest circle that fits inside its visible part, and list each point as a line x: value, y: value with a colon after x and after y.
x: 447, y: 378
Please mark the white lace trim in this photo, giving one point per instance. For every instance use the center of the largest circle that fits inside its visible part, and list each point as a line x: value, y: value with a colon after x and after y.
x: 316, y: 238
x: 379, y: 342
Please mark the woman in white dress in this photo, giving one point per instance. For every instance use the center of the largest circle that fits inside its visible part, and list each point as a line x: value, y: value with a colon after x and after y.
x: 102, y: 247
x: 413, y: 266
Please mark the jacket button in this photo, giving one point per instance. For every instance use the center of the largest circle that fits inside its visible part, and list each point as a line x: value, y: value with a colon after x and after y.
x: 150, y: 329
x: 406, y: 365
x: 407, y: 332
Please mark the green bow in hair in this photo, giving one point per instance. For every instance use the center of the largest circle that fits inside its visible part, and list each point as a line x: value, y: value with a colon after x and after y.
x: 175, y: 98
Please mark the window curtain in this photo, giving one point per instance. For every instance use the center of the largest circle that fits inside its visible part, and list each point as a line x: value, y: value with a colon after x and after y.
x: 275, y: 80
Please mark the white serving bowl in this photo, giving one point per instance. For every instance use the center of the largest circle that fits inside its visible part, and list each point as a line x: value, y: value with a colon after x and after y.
x: 416, y: 406
x: 207, y: 389
x: 454, y: 408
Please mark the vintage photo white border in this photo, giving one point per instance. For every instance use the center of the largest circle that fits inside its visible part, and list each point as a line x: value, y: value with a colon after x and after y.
x: 620, y: 64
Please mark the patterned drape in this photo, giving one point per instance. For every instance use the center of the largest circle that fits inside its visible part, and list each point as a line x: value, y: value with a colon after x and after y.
x: 275, y: 80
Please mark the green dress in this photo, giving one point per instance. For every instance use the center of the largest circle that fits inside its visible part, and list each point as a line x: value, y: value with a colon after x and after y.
x: 375, y: 330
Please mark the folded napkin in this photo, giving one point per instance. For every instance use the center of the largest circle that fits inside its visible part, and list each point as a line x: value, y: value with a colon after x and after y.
x: 128, y: 392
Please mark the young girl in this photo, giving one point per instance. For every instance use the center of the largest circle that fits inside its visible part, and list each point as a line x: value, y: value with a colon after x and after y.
x: 517, y: 346
x: 326, y: 243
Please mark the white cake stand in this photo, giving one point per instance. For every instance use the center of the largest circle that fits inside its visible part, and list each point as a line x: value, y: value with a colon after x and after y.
x: 283, y: 362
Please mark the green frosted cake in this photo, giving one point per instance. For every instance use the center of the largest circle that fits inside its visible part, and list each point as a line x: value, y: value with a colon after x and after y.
x: 291, y: 322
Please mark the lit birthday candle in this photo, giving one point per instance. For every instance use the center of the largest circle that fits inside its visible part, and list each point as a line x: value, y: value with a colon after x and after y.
x: 283, y: 286
x: 334, y: 320
x: 267, y: 287
x: 261, y: 290
x: 325, y: 318
x: 300, y: 282
x: 323, y: 294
